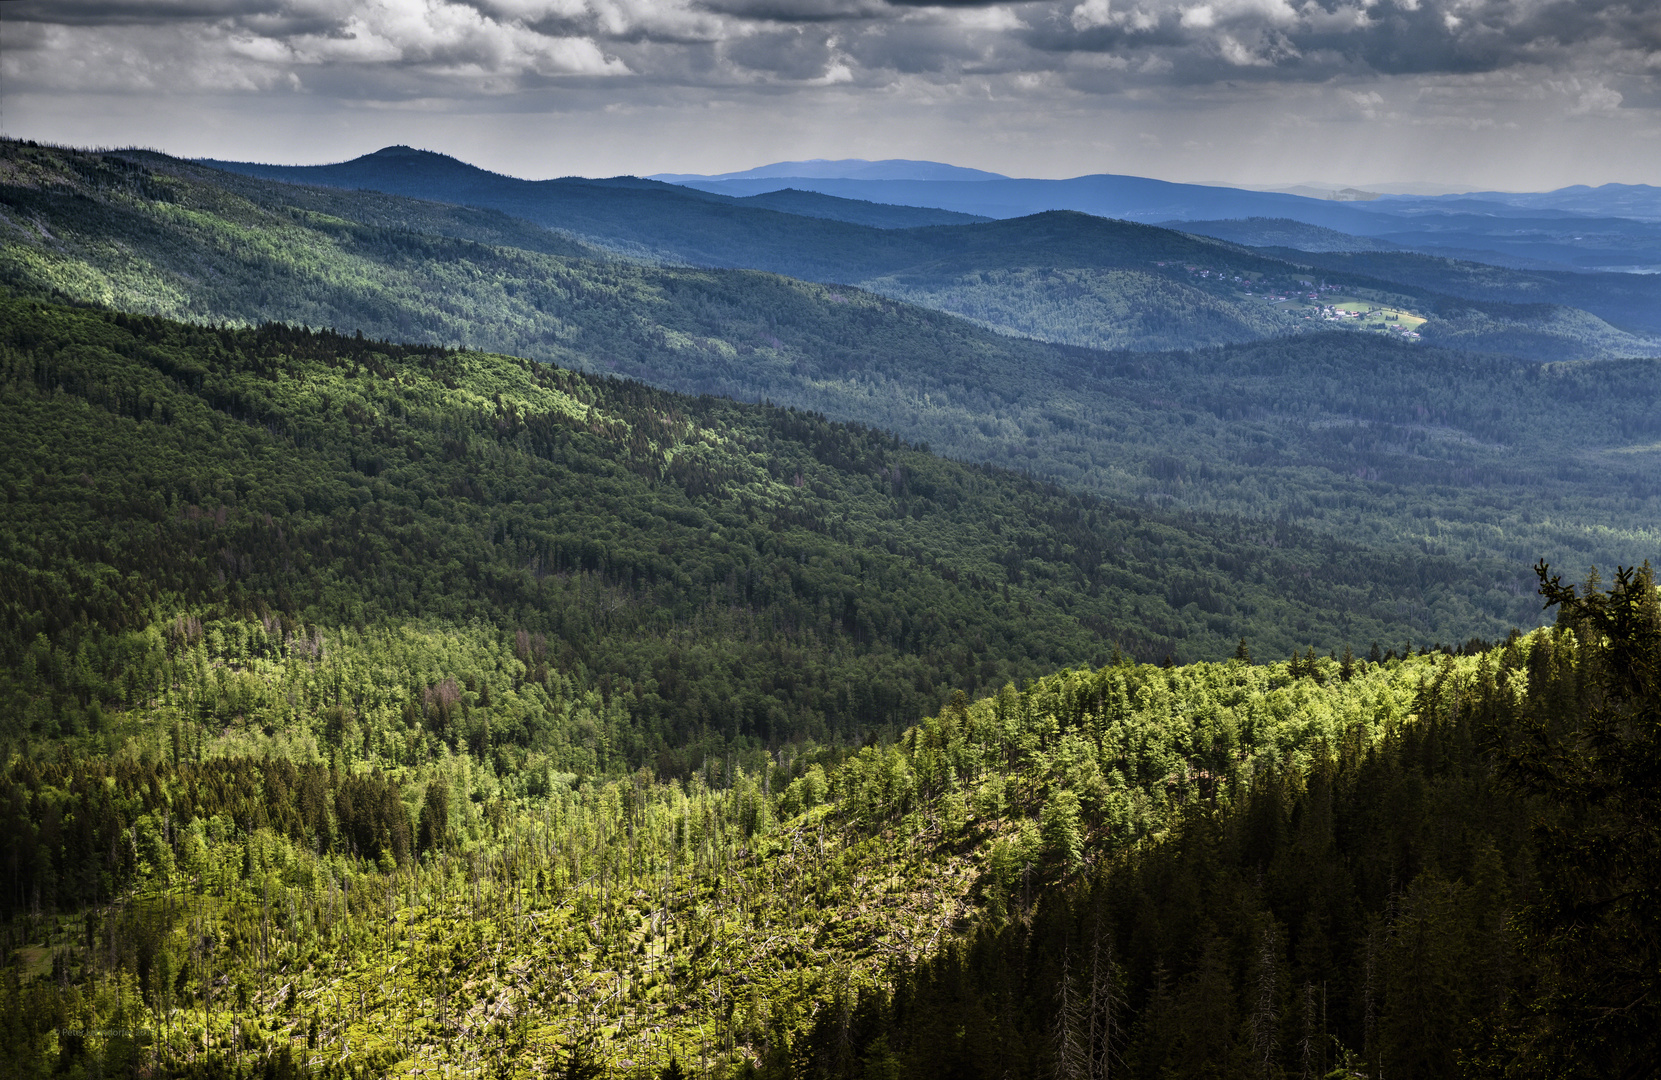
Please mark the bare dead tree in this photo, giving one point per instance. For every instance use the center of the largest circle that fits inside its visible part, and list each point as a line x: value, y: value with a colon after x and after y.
x: 1072, y: 1048
x: 1265, y: 1022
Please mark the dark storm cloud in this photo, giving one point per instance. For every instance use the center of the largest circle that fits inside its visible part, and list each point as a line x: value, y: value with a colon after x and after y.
x: 794, y: 11
x: 934, y: 50
x: 1318, y: 38
x: 101, y: 12
x: 495, y: 44
x: 790, y: 53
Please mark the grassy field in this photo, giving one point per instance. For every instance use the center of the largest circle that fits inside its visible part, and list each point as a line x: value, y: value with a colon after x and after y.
x: 1349, y: 310
x: 1374, y: 316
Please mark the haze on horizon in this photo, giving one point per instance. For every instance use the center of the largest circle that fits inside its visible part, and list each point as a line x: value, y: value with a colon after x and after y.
x: 1504, y: 94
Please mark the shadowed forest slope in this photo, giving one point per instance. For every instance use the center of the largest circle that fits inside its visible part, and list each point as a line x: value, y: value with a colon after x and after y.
x: 721, y: 570
x: 1349, y: 433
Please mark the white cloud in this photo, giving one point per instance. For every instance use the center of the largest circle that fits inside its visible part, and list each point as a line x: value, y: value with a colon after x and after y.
x: 1597, y: 100
x: 1238, y: 54
x: 680, y: 41
x: 838, y: 72
x: 1366, y: 102
x: 995, y: 19
x: 1199, y: 17
x: 265, y: 46
x: 1091, y: 14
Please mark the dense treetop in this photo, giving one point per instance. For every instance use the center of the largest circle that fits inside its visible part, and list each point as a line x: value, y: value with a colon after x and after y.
x: 1223, y: 869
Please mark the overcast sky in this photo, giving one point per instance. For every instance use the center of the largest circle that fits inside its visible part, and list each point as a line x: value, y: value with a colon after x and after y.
x: 1513, y: 94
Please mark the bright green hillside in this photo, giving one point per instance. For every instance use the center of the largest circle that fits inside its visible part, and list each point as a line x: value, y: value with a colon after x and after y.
x: 268, y: 858
x: 319, y: 865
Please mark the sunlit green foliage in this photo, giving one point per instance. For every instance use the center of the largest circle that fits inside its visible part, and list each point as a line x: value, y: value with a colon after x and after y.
x: 257, y: 903
x: 1307, y: 864
x: 1465, y: 888
x: 375, y: 709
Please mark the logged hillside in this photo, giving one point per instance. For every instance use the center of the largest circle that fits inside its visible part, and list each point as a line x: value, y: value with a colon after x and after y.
x: 378, y: 709
x: 1464, y: 891
x: 1351, y: 434
x: 1220, y: 870
x: 480, y: 903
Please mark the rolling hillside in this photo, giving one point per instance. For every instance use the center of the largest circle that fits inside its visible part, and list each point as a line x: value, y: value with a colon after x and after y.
x: 857, y: 212
x: 1347, y: 433
x: 1325, y: 865
x: 375, y: 703
x: 1612, y: 227
x: 1632, y: 301
x: 1280, y: 233
x: 740, y: 570
x: 1123, y: 285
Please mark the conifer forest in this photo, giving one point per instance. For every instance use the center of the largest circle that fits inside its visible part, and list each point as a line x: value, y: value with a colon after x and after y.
x: 447, y: 640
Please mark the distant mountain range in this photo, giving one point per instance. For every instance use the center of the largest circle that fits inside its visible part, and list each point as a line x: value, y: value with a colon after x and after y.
x: 1612, y: 227
x: 1640, y: 202
x: 1131, y: 198
x: 1051, y: 274
x: 843, y: 169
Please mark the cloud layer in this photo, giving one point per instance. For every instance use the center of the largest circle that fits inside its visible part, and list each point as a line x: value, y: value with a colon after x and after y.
x: 397, y: 47
x: 1196, y: 87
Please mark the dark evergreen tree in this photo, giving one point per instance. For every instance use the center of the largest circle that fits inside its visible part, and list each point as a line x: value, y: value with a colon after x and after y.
x: 433, y: 827
x: 1588, y: 750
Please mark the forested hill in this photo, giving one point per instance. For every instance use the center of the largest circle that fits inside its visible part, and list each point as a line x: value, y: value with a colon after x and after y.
x: 1296, y: 236
x: 315, y: 852
x: 856, y: 211
x: 722, y: 570
x: 1464, y: 889
x: 688, y: 225
x: 1380, y: 442
x: 1059, y: 276
x: 1632, y: 301
x: 375, y: 709
x: 1115, y: 295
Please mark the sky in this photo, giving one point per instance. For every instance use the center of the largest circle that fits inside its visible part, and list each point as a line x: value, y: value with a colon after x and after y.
x: 1503, y: 94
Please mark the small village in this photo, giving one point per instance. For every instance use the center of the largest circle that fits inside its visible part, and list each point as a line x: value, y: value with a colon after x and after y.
x: 1319, y: 300
x: 1374, y: 317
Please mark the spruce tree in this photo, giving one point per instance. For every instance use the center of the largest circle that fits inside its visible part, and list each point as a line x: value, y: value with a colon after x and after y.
x: 1588, y: 751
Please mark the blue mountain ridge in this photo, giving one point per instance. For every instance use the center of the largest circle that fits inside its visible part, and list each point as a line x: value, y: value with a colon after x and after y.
x: 1525, y: 231
x: 845, y: 169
